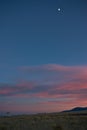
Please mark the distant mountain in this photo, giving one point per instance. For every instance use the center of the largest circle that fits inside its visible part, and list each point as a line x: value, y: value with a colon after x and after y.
x: 77, y: 109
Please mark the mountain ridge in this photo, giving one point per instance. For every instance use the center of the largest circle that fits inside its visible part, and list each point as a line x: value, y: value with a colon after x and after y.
x: 76, y: 109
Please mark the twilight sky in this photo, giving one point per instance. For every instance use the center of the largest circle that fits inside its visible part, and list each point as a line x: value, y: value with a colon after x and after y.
x: 43, y: 55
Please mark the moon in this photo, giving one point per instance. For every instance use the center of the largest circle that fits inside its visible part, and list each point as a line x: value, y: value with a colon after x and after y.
x: 59, y: 9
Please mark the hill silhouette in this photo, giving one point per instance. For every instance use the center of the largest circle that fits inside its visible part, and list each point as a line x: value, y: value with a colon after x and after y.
x: 77, y: 109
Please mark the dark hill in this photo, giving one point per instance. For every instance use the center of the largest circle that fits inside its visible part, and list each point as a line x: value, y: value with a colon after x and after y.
x: 77, y: 109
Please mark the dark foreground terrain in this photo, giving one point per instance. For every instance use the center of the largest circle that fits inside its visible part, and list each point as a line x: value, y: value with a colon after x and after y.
x: 56, y: 121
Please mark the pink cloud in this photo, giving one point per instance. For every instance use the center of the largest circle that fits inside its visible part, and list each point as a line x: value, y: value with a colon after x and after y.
x: 47, y: 106
x: 14, y: 89
x: 71, y: 91
x: 5, y: 91
x: 53, y: 67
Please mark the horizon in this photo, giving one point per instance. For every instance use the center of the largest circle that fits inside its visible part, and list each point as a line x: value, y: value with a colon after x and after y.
x: 43, y: 66
x: 19, y: 114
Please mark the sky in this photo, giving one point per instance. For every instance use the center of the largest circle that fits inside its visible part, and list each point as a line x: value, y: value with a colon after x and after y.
x: 43, y: 55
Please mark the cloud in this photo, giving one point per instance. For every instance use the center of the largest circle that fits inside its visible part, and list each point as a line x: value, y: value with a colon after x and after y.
x: 74, y: 88
x: 52, y: 67
x: 63, y: 85
x: 73, y: 81
x: 14, y: 89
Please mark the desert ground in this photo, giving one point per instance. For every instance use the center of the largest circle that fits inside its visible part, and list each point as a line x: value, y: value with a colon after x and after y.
x: 50, y: 121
